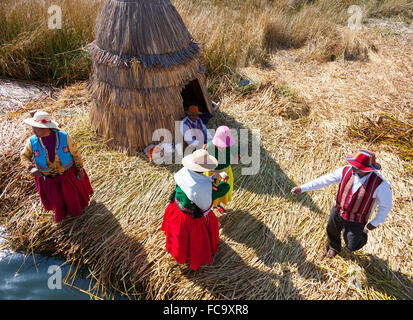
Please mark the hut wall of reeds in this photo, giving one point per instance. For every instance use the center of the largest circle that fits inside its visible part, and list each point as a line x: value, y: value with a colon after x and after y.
x: 146, y: 70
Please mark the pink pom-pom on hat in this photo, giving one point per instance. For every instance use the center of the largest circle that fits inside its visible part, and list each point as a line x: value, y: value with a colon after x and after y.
x: 223, y: 138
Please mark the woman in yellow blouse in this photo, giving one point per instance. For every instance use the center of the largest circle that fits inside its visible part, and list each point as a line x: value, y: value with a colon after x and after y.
x: 58, y: 172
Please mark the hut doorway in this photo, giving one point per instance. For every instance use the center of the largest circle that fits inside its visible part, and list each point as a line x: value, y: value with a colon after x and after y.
x: 192, y: 94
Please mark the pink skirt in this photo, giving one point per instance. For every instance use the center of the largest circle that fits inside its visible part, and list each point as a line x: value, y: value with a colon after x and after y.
x: 64, y: 194
x: 188, y: 239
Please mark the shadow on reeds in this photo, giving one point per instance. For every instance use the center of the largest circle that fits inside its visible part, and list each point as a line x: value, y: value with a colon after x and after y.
x: 270, y: 180
x: 382, y: 278
x: 97, y: 239
x: 257, y: 236
x: 231, y: 278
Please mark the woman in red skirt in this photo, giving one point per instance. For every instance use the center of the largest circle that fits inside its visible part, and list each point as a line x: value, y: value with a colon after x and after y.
x: 190, y: 225
x: 61, y: 181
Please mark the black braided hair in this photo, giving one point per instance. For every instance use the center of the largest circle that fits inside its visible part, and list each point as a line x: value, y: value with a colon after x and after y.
x: 172, y: 197
x: 197, y: 212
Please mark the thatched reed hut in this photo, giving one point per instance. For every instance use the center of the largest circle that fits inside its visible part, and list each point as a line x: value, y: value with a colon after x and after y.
x: 146, y: 72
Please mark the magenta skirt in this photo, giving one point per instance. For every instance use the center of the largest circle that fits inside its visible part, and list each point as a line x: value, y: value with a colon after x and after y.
x: 64, y: 194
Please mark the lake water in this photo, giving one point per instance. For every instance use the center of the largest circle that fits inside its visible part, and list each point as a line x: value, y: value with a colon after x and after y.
x: 38, y: 278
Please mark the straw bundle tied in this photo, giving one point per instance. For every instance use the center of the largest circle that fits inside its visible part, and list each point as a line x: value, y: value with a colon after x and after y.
x: 143, y: 56
x: 147, y: 60
x: 141, y: 78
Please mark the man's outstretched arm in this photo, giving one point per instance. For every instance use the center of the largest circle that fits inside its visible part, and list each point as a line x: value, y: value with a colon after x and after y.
x: 320, y: 182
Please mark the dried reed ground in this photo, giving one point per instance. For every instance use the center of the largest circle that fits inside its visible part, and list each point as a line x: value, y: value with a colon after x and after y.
x: 272, y: 244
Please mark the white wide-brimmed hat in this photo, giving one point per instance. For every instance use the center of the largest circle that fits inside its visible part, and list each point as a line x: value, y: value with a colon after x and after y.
x: 200, y: 161
x: 41, y: 119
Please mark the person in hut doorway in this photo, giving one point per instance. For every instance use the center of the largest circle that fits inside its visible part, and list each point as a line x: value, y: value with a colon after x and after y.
x: 193, y: 129
x: 220, y: 148
x: 361, y: 189
x: 61, y: 180
x: 190, y: 226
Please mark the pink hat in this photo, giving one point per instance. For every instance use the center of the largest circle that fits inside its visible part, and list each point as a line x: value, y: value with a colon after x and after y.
x: 223, y: 138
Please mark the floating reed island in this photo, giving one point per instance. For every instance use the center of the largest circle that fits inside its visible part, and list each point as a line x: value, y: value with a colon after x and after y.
x: 310, y: 115
x: 271, y: 244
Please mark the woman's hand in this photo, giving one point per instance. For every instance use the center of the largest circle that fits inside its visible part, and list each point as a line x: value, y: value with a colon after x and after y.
x: 80, y: 174
x: 224, y: 176
x: 35, y: 172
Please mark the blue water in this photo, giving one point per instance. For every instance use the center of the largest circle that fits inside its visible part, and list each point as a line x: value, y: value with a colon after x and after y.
x: 30, y: 278
x: 31, y: 283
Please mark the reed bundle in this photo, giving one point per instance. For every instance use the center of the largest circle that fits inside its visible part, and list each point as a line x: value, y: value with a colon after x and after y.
x: 388, y: 129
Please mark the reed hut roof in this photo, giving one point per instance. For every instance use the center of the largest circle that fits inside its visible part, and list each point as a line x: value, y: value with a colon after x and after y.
x: 143, y: 57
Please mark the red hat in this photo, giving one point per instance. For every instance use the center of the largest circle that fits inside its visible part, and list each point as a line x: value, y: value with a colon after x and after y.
x: 193, y: 110
x: 364, y: 160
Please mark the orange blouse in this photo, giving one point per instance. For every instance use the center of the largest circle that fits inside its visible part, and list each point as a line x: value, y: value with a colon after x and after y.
x: 56, y: 167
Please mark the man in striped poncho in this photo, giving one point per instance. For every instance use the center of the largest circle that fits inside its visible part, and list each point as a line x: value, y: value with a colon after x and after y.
x: 361, y: 189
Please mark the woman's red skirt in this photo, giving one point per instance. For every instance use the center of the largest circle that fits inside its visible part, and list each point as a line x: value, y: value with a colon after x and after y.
x: 188, y: 238
x: 64, y: 193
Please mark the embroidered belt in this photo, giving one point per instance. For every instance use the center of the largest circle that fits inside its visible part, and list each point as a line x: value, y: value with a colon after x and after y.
x: 190, y: 211
x: 52, y: 176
